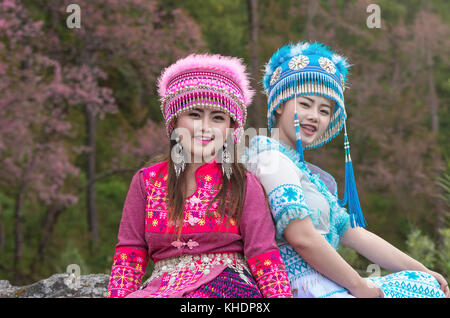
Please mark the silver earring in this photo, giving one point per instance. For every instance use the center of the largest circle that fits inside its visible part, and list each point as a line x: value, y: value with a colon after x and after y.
x: 179, y: 162
x: 226, y: 161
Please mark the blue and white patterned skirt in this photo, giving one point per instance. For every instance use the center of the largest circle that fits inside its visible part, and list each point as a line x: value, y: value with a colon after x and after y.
x: 404, y: 284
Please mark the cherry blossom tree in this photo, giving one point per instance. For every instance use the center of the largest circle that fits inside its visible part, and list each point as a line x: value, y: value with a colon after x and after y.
x: 50, y: 72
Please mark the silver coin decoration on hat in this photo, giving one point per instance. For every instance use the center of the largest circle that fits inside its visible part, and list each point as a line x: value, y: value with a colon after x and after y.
x: 298, y: 62
x: 275, y: 76
x: 327, y: 65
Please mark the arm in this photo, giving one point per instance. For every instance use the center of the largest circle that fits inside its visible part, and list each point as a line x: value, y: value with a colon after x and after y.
x: 378, y: 251
x: 131, y: 256
x: 318, y: 253
x: 262, y: 253
x: 281, y: 179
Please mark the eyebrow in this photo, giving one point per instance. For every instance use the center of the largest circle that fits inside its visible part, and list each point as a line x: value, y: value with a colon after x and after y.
x: 212, y: 112
x: 326, y: 105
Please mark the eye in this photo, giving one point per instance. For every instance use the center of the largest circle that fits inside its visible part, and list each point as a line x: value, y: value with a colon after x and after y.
x: 194, y: 114
x: 219, y: 118
x: 325, y: 112
x: 306, y: 105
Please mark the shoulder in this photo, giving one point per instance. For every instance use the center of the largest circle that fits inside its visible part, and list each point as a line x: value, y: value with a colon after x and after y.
x: 255, y: 193
x: 255, y: 188
x: 156, y: 168
x: 261, y: 143
x: 272, y: 163
x: 154, y: 173
x: 263, y: 148
x: 251, y: 180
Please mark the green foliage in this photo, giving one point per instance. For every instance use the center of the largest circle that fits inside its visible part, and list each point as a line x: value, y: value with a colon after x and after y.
x: 224, y: 24
x: 72, y: 254
x: 351, y: 257
x: 421, y: 248
x: 444, y: 182
x: 443, y: 253
x: 434, y: 256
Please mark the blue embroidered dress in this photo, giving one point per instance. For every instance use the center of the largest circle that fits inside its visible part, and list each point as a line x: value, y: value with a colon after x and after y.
x: 298, y: 190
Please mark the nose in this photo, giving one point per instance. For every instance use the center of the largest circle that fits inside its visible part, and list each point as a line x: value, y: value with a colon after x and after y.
x: 206, y: 123
x: 313, y: 114
x: 202, y: 125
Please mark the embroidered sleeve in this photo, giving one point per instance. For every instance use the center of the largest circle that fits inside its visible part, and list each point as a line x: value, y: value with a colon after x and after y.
x: 127, y: 271
x: 341, y: 222
x: 258, y: 234
x: 281, y: 180
x: 131, y: 252
x: 270, y: 274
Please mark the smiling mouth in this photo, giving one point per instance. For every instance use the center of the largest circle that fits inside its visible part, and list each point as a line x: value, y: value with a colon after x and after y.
x: 203, y: 139
x: 308, y: 129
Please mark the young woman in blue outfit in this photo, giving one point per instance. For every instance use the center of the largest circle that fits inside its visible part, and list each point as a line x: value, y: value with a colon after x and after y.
x: 305, y: 84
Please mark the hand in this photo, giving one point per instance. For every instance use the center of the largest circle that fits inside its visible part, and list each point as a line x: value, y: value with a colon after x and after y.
x: 366, y: 289
x: 441, y: 280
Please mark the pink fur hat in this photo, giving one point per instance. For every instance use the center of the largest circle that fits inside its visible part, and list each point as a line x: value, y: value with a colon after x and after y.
x: 206, y: 80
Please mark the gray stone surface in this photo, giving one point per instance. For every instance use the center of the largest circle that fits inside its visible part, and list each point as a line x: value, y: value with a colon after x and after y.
x: 59, y: 286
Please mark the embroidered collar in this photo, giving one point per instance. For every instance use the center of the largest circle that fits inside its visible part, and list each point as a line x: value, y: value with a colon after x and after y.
x: 207, y: 176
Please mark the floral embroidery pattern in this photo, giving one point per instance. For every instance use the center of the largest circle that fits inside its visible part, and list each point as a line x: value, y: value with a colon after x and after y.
x: 270, y: 274
x: 409, y: 284
x: 127, y: 271
x: 287, y: 203
x: 290, y: 194
x: 197, y: 218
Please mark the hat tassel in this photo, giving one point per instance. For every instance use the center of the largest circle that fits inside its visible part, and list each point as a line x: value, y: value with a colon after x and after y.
x: 298, y: 142
x: 351, y: 194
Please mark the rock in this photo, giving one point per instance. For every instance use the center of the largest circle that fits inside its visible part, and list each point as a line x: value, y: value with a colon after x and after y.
x: 59, y: 286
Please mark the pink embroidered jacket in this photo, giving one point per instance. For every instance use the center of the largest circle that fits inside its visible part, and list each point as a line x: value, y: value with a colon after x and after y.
x: 144, y: 234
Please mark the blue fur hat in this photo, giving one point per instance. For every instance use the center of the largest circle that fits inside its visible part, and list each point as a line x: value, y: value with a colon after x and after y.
x: 307, y: 69
x: 314, y: 69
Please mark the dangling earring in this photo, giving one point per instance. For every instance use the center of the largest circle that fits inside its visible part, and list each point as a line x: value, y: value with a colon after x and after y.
x: 226, y: 161
x: 179, y: 162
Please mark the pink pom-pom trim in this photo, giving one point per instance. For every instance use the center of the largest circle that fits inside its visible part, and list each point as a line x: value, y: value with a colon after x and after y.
x: 231, y: 66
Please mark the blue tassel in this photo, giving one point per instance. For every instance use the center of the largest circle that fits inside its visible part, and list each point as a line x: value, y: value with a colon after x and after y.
x: 351, y: 194
x: 300, y: 150
x: 298, y: 137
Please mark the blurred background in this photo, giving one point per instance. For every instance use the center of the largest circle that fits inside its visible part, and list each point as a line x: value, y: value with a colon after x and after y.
x: 79, y: 114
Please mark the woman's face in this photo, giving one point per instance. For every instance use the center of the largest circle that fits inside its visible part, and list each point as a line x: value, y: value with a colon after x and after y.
x: 314, y: 113
x: 203, y: 132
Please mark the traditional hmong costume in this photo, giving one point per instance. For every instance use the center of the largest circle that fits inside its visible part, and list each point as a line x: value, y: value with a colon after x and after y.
x: 297, y: 189
x: 213, y: 256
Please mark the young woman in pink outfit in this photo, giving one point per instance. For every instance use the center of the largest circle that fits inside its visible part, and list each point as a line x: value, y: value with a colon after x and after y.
x: 199, y: 215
